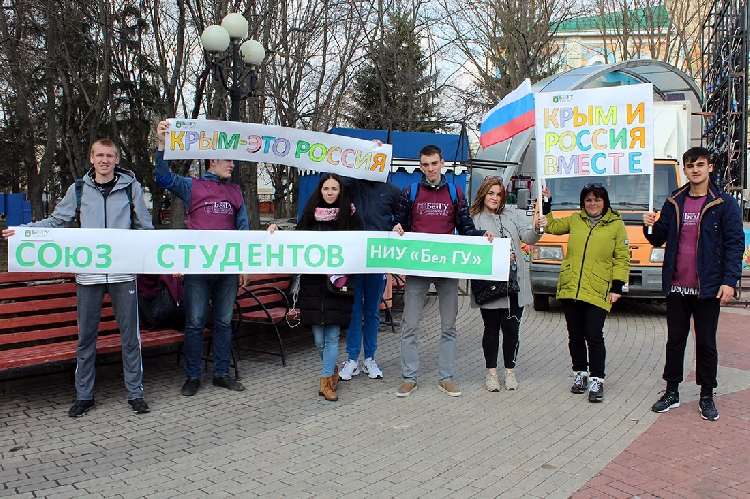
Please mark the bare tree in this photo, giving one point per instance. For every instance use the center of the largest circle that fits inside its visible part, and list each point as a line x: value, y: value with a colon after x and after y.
x: 636, y: 29
x: 315, y: 49
x: 500, y: 43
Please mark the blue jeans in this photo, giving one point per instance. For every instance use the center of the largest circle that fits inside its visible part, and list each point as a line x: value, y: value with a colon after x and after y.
x: 367, y: 297
x: 201, y: 289
x: 327, y: 343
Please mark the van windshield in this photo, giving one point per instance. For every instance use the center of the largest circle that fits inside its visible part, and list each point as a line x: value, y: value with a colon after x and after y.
x: 626, y: 192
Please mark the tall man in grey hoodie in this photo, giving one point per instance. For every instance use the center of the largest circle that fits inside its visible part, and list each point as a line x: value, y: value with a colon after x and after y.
x: 111, y: 198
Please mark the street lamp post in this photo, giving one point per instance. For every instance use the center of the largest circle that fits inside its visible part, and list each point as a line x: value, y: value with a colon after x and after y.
x: 243, y: 82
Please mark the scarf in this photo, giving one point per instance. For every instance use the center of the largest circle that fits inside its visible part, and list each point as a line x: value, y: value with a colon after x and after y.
x: 595, y: 220
x: 328, y: 214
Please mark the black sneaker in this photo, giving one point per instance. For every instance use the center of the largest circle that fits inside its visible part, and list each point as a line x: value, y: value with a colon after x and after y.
x: 670, y: 400
x: 596, y: 390
x: 708, y: 408
x: 190, y: 387
x: 139, y: 406
x: 80, y: 408
x: 581, y: 383
x: 229, y: 384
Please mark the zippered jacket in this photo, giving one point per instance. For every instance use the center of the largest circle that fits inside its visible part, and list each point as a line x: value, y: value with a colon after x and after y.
x: 99, y: 212
x: 375, y: 201
x: 721, y: 240
x: 595, y: 258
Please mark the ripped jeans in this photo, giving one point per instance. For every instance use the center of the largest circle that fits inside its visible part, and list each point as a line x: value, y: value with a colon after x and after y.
x: 509, y: 321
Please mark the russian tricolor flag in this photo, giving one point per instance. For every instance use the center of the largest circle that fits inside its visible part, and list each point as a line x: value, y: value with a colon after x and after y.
x: 511, y: 116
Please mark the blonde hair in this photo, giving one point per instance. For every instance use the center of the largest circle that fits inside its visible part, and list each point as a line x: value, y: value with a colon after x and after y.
x: 105, y: 143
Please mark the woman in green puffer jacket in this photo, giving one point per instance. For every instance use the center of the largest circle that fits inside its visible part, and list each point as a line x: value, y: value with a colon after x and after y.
x: 592, y: 278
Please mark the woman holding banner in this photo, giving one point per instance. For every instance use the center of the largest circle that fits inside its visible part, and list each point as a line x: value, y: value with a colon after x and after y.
x: 592, y: 278
x: 325, y: 301
x: 488, y: 212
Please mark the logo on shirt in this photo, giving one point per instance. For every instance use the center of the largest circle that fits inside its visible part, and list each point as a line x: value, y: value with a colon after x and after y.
x: 219, y: 208
x: 432, y: 209
x: 690, y: 218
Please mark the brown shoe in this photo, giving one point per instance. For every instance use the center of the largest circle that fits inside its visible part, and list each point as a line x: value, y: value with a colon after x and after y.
x: 406, y: 388
x: 448, y: 387
x: 326, y: 389
x: 335, y: 378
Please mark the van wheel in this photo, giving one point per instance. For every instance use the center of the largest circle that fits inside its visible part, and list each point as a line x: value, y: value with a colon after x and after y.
x: 541, y: 303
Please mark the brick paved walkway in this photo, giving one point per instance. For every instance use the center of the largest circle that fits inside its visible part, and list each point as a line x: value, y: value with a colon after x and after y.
x: 279, y: 439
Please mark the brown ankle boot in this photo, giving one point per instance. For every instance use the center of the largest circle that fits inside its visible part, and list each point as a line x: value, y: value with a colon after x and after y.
x: 335, y: 378
x: 326, y: 389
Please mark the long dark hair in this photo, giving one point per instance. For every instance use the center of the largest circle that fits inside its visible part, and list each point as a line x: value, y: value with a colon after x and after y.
x: 343, y: 203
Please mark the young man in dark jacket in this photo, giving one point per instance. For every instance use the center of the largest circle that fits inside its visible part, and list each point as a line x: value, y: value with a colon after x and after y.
x: 702, y: 227
x: 376, y: 202
x: 433, y: 211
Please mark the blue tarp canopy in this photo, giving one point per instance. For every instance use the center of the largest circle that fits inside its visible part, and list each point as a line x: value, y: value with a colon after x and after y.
x: 406, y: 145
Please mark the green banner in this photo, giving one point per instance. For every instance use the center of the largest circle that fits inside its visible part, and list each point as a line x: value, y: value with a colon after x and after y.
x: 414, y: 255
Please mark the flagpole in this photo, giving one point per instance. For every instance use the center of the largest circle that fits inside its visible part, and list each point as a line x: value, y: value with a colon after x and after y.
x: 507, y: 149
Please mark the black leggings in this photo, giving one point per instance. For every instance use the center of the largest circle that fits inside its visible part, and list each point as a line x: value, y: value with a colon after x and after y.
x: 507, y: 320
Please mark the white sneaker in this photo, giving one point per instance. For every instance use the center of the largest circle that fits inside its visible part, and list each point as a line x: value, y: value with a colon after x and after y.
x: 349, y: 369
x: 371, y: 369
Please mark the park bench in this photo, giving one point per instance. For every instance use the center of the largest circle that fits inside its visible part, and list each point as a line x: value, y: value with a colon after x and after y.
x: 38, y: 322
x: 265, y: 302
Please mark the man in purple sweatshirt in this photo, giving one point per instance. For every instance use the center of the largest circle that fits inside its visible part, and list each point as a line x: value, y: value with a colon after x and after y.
x: 436, y: 208
x: 212, y: 203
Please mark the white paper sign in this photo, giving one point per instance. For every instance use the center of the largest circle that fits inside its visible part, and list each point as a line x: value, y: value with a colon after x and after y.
x: 101, y: 251
x: 601, y: 131
x: 323, y: 152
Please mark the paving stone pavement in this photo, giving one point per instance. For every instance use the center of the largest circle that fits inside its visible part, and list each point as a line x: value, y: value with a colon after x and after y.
x: 280, y: 439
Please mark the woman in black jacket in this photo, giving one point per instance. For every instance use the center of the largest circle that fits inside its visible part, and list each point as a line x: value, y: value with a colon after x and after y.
x: 323, y: 309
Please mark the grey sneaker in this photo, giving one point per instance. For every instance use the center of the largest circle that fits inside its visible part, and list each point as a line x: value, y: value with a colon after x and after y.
x: 510, y: 380
x: 492, y: 383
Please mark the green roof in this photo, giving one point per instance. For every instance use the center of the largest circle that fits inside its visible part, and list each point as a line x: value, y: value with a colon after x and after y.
x: 643, y: 18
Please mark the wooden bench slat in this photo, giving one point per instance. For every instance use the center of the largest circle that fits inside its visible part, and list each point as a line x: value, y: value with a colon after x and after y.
x: 42, y: 290
x: 57, y: 318
x: 36, y: 306
x: 24, y: 277
x: 61, y: 351
x: 50, y: 334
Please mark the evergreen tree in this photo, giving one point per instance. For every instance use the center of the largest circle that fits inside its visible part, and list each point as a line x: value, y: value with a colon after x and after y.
x: 394, y: 86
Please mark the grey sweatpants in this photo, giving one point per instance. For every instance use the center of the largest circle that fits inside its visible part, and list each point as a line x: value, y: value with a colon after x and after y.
x: 125, y: 303
x: 415, y: 292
